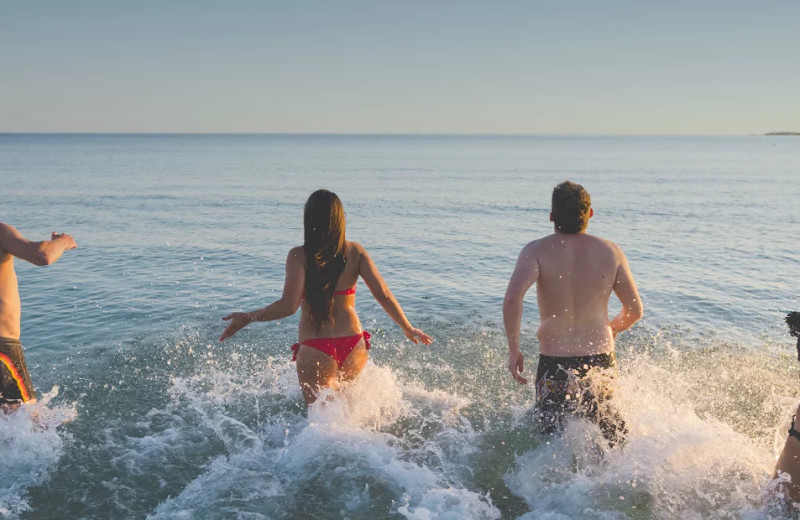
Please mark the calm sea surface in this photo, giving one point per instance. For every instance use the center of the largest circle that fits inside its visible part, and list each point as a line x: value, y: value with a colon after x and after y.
x: 162, y: 421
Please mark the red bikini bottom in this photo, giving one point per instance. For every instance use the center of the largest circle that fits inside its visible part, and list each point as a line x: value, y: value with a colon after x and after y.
x: 337, y: 348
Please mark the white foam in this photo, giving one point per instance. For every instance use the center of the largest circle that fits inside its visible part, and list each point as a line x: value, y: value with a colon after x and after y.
x: 675, y: 463
x: 387, y: 445
x: 346, y: 450
x: 30, y: 446
x: 450, y: 504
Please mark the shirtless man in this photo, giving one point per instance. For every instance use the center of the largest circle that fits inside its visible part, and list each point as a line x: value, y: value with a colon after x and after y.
x: 15, y: 382
x: 574, y: 273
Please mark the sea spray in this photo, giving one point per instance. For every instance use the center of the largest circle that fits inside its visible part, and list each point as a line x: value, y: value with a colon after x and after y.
x: 30, y: 446
x: 429, y: 439
x: 363, y: 451
x: 676, y: 463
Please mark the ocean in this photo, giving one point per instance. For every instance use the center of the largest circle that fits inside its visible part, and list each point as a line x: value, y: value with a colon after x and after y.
x: 147, y: 415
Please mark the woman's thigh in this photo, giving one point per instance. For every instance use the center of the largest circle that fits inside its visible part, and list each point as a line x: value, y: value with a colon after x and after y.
x: 355, y: 362
x: 315, y: 370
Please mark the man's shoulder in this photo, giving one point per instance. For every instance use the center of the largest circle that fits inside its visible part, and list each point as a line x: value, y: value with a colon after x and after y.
x: 545, y: 243
x: 542, y: 242
x: 532, y: 246
x: 604, y: 242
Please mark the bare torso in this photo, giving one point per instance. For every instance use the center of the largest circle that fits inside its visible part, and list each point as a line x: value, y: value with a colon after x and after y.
x: 9, y: 298
x: 577, y: 273
x: 345, y: 321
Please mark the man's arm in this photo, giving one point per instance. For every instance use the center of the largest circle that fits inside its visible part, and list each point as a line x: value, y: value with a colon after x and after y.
x: 38, y: 253
x: 525, y: 275
x: 625, y: 289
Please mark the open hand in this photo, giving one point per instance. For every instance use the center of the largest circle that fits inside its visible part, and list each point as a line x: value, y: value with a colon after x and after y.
x: 238, y: 320
x: 68, y: 240
x: 417, y: 335
x: 516, y: 367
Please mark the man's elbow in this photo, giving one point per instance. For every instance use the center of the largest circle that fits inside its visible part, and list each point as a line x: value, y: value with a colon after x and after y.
x: 636, y: 312
x: 42, y: 258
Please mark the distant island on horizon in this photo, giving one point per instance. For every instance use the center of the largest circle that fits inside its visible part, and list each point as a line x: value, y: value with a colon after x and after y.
x: 782, y: 133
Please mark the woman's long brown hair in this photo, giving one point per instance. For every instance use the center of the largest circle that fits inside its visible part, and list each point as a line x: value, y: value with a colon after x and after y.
x: 324, y: 247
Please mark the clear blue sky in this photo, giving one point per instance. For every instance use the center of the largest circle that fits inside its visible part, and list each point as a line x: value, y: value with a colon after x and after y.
x: 564, y: 67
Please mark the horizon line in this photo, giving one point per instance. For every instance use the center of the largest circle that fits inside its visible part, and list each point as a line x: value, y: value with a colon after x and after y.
x: 396, y: 134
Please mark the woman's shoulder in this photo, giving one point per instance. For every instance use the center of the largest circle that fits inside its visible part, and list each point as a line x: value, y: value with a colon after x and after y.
x: 354, y: 247
x: 355, y: 252
x: 296, y: 254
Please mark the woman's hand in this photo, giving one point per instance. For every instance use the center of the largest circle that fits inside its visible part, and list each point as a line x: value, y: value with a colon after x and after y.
x: 417, y: 335
x: 238, y: 320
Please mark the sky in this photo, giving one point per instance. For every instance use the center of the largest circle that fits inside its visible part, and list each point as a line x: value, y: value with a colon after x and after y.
x: 485, y: 67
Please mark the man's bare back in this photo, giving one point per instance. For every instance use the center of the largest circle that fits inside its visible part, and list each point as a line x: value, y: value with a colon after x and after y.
x: 575, y: 274
x: 15, y: 382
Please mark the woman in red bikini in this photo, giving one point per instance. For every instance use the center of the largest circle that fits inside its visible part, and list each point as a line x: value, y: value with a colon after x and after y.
x: 321, y: 278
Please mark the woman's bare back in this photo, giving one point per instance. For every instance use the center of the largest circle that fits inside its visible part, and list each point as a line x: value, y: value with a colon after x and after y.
x: 344, y: 320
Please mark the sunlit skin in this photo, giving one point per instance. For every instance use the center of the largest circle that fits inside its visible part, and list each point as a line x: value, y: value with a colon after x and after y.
x: 789, y: 462
x: 316, y: 370
x: 575, y: 274
x: 13, y: 244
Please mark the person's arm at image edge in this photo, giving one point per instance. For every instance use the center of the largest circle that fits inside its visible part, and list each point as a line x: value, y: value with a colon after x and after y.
x: 40, y: 253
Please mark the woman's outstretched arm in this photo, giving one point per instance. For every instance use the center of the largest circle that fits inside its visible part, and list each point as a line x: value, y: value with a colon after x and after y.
x: 284, y: 307
x: 378, y: 288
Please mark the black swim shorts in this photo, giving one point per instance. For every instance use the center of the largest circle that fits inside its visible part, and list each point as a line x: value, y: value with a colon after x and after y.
x: 15, y: 382
x: 563, y: 386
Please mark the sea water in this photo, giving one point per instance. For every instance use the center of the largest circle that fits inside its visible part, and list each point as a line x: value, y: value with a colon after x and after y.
x: 145, y: 414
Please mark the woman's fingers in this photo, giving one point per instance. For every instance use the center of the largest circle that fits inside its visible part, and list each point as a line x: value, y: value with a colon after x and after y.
x: 233, y: 327
x: 230, y: 331
x: 416, y: 333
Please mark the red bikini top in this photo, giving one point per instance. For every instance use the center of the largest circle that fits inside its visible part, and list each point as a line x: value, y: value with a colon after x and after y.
x: 344, y: 292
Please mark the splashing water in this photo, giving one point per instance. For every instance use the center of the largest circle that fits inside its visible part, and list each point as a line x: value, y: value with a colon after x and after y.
x: 31, y: 446
x: 360, y: 451
x: 233, y: 437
